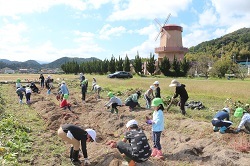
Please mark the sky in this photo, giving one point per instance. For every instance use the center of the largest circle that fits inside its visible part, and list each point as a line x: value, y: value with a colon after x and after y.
x: 46, y: 30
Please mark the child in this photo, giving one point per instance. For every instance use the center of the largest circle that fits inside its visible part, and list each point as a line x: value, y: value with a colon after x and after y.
x: 132, y: 100
x: 63, y: 89
x: 219, y: 121
x: 93, y: 83
x: 113, y: 102
x: 137, y: 149
x: 157, y: 89
x: 34, y: 87
x: 157, y: 126
x: 147, y: 96
x: 180, y: 91
x: 64, y: 104
x: 18, y: 83
x: 20, y: 92
x: 97, y: 90
x: 28, y: 94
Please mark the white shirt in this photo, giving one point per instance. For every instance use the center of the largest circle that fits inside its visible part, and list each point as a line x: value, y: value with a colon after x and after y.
x: 245, y: 118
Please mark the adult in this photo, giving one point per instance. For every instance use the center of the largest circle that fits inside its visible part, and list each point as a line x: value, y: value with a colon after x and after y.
x: 75, y: 135
x: 221, y: 120
x: 42, y: 80
x: 180, y: 91
x: 245, y: 119
x: 82, y: 77
x: 97, y: 89
x: 132, y: 100
x: 134, y: 144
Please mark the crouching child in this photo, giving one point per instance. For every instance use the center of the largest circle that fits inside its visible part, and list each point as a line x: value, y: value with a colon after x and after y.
x: 113, y: 102
x: 64, y: 103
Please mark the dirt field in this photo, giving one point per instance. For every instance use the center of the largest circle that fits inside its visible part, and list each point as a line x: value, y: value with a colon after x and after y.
x: 184, y: 141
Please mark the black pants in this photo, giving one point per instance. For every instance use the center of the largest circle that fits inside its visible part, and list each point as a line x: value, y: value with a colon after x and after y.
x: 181, y: 104
x: 127, y: 150
x: 28, y: 96
x: 131, y: 104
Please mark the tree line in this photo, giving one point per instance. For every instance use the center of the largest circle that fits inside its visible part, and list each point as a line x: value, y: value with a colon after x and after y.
x: 166, y: 67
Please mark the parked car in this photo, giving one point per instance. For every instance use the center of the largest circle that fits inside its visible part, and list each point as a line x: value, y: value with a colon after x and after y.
x: 120, y: 74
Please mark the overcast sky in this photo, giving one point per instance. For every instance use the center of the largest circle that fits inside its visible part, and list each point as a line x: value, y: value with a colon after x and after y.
x: 45, y: 30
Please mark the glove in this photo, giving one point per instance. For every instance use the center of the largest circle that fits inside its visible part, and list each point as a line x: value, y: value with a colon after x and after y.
x: 86, y: 161
x: 108, y: 107
x: 149, y: 122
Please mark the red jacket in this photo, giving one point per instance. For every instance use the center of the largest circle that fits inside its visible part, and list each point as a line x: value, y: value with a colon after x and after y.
x: 64, y: 103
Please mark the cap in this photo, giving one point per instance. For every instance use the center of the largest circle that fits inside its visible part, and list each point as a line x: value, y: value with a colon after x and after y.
x: 92, y: 133
x: 131, y: 122
x: 156, y: 83
x: 152, y: 87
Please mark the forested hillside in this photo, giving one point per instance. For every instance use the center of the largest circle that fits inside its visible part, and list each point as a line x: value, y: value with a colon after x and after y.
x: 235, y: 45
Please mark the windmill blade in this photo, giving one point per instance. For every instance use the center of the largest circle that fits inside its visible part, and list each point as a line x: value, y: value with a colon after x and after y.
x: 167, y: 19
x: 157, y: 36
x: 158, y: 23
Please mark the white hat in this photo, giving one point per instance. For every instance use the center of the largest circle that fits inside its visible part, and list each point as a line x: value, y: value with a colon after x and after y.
x: 63, y: 82
x: 174, y: 83
x: 131, y: 122
x: 156, y: 83
x: 152, y: 87
x: 226, y: 109
x: 92, y: 133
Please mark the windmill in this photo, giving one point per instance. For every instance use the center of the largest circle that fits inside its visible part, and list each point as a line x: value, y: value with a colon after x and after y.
x: 162, y: 30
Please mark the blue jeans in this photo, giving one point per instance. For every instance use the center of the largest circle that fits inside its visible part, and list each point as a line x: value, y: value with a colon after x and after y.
x: 157, y: 139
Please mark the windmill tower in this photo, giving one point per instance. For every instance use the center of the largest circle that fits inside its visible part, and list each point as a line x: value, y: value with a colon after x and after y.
x: 170, y: 41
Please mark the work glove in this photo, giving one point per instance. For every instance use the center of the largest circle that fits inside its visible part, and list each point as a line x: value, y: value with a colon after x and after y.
x: 149, y: 122
x: 86, y: 161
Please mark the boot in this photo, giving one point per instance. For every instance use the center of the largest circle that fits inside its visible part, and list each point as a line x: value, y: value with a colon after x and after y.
x: 215, y: 129
x: 154, y: 152
x: 71, y: 152
x: 75, y: 159
x: 116, y: 111
x: 159, y: 154
x: 223, y: 130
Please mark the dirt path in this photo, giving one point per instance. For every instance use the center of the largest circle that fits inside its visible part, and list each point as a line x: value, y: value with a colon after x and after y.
x: 184, y: 141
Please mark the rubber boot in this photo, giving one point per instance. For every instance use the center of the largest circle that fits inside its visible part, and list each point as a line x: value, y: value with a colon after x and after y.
x: 183, y: 112
x: 71, y: 153
x: 223, y: 130
x: 215, y: 129
x: 75, y: 159
x: 159, y: 154
x: 154, y: 152
x: 116, y: 111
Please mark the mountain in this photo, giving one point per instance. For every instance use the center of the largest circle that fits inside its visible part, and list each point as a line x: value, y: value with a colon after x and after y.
x: 35, y: 65
x: 57, y: 63
x: 235, y: 44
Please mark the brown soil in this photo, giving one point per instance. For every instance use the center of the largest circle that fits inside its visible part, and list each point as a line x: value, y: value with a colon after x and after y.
x: 184, y: 141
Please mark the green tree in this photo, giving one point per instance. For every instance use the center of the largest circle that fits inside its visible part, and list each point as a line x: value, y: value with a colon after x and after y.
x: 151, y: 64
x: 105, y: 66
x: 137, y: 64
x: 176, y: 67
x: 126, y: 66
x: 119, y: 64
x: 184, y: 66
x: 165, y: 66
x: 221, y: 67
x: 112, y: 68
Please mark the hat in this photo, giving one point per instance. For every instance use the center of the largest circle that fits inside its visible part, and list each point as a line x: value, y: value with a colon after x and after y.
x: 92, y: 133
x: 65, y: 96
x: 63, y: 82
x: 226, y: 109
x: 156, y: 83
x: 110, y: 94
x: 174, y: 83
x: 156, y: 102
x: 152, y: 87
x: 131, y: 122
x: 238, y: 112
x: 18, y: 80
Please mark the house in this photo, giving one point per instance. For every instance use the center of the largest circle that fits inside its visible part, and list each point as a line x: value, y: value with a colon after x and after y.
x: 7, y: 70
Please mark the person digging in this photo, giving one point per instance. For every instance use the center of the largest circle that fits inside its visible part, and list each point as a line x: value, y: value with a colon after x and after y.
x: 221, y: 120
x: 132, y: 100
x: 113, y: 102
x: 134, y: 145
x: 245, y: 119
x: 75, y: 135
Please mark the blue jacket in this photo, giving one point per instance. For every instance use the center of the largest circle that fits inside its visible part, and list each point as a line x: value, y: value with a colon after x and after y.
x: 64, y: 89
x: 221, y: 115
x: 158, y: 120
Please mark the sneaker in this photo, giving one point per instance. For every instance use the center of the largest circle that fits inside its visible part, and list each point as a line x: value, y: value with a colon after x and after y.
x: 215, y: 129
